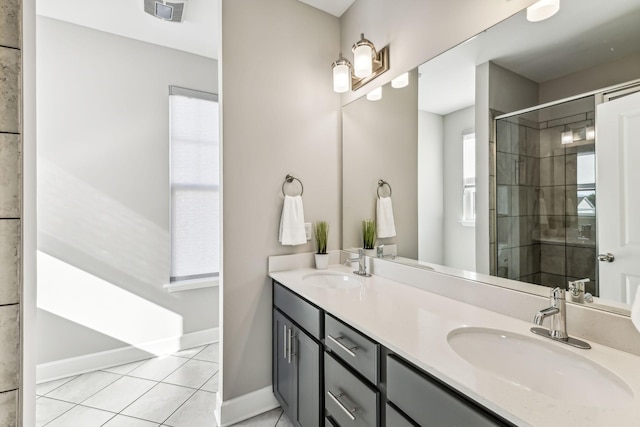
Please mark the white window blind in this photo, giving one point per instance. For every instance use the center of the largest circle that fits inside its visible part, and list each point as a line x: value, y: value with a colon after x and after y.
x: 195, y: 184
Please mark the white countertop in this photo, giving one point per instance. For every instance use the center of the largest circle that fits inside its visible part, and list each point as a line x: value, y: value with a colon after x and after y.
x: 415, y: 323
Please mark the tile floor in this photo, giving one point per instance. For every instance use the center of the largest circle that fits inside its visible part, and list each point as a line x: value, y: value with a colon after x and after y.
x: 173, y: 391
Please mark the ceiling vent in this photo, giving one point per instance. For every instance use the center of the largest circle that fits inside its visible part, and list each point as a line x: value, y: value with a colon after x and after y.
x: 172, y: 11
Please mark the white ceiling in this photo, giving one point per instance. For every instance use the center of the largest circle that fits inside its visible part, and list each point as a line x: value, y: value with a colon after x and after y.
x: 576, y: 38
x: 196, y: 34
x: 334, y: 7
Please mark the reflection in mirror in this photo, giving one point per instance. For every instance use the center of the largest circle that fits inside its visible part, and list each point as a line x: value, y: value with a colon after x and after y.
x: 545, y: 194
x: 527, y: 211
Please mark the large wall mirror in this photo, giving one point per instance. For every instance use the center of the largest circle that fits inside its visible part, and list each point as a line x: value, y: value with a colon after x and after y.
x: 489, y: 155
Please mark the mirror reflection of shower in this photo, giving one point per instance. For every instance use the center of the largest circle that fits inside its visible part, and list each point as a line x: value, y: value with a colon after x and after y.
x: 544, y: 199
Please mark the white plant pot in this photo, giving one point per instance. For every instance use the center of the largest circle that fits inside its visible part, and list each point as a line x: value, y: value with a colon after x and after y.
x: 322, y: 261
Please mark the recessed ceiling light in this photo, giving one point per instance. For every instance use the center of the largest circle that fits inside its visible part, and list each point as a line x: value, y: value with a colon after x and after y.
x: 543, y: 9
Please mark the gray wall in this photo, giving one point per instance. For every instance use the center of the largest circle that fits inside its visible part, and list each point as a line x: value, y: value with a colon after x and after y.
x: 598, y: 77
x: 103, y: 194
x: 280, y: 116
x: 430, y: 187
x: 380, y: 141
x: 10, y: 209
x: 459, y: 240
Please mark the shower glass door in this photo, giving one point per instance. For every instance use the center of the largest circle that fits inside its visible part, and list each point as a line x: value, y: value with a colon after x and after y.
x: 545, y: 195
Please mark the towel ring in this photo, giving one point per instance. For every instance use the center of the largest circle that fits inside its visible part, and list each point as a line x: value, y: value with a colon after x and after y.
x: 288, y: 180
x: 382, y: 183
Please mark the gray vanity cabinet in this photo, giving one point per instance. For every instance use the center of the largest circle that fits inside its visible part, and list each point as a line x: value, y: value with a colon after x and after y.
x: 351, y: 380
x: 428, y: 402
x: 296, y: 361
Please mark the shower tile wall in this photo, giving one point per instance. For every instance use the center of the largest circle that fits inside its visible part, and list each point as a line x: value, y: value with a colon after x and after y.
x: 517, y: 176
x: 537, y: 174
x: 10, y: 209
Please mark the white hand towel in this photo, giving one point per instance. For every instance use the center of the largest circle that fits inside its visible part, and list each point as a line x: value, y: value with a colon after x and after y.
x: 292, y: 222
x: 635, y: 310
x: 542, y: 212
x: 386, y: 226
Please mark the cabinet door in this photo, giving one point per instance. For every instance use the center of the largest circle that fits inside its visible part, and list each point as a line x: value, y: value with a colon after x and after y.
x: 307, y: 358
x: 284, y: 372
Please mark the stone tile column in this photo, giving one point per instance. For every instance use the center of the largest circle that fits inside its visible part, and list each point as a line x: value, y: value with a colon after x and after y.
x: 10, y: 208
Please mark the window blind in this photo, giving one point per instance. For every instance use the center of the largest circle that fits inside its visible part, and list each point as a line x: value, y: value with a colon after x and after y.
x: 195, y: 184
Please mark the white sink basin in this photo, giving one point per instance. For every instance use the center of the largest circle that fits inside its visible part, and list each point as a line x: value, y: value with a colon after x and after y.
x: 333, y: 280
x: 543, y: 367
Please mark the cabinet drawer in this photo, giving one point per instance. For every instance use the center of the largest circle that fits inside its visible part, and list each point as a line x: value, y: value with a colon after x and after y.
x: 353, y: 348
x: 348, y: 400
x: 394, y: 418
x: 297, y: 309
x: 428, y: 402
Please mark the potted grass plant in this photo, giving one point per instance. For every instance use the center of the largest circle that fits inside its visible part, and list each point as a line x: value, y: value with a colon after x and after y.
x: 368, y: 234
x: 321, y: 232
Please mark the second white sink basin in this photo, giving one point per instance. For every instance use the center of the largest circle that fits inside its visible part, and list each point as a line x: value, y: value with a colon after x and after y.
x: 333, y: 280
x: 543, y: 367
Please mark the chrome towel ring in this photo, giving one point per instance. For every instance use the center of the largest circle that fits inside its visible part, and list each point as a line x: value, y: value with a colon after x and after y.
x: 382, y: 183
x: 288, y: 180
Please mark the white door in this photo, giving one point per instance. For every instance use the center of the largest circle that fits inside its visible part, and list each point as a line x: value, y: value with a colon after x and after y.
x: 618, y: 196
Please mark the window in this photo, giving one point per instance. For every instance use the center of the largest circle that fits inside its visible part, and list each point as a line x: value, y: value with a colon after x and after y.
x: 586, y: 198
x: 469, y: 179
x: 195, y: 186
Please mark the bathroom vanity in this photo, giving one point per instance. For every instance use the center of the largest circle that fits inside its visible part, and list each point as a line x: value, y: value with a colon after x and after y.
x: 374, y: 352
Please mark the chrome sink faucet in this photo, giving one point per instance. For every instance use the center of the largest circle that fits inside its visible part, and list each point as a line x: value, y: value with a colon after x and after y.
x: 362, y: 264
x: 380, y: 253
x: 558, y: 314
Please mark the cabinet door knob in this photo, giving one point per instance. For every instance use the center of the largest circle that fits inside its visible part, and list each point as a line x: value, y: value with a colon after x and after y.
x: 608, y: 257
x: 342, y: 406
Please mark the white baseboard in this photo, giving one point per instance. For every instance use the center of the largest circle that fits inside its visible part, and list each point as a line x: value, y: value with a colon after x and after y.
x: 105, y: 359
x: 244, y: 407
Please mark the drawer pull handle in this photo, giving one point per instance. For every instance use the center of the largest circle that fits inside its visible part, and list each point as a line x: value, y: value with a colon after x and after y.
x: 349, y: 350
x: 346, y: 410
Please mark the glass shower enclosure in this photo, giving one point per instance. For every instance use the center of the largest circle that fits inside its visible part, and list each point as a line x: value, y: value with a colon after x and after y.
x: 544, y: 195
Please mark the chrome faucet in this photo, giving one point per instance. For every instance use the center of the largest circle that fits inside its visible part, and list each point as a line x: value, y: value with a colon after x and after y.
x: 558, y: 314
x: 380, y: 253
x: 362, y: 264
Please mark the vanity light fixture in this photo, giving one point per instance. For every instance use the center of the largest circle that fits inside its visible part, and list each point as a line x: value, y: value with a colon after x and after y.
x: 341, y: 74
x: 367, y: 65
x: 570, y: 136
x: 542, y: 9
x: 590, y: 133
x: 401, y: 81
x: 375, y: 95
x: 567, y: 137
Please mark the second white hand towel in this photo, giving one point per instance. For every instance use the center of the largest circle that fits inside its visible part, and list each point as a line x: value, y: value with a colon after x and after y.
x: 386, y: 226
x: 292, y: 222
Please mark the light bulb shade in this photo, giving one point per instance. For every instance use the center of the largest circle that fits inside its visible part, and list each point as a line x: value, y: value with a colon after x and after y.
x: 542, y: 10
x: 363, y: 52
x: 375, y: 95
x: 362, y: 66
x: 401, y: 81
x: 341, y: 78
x: 590, y: 133
x: 567, y: 137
